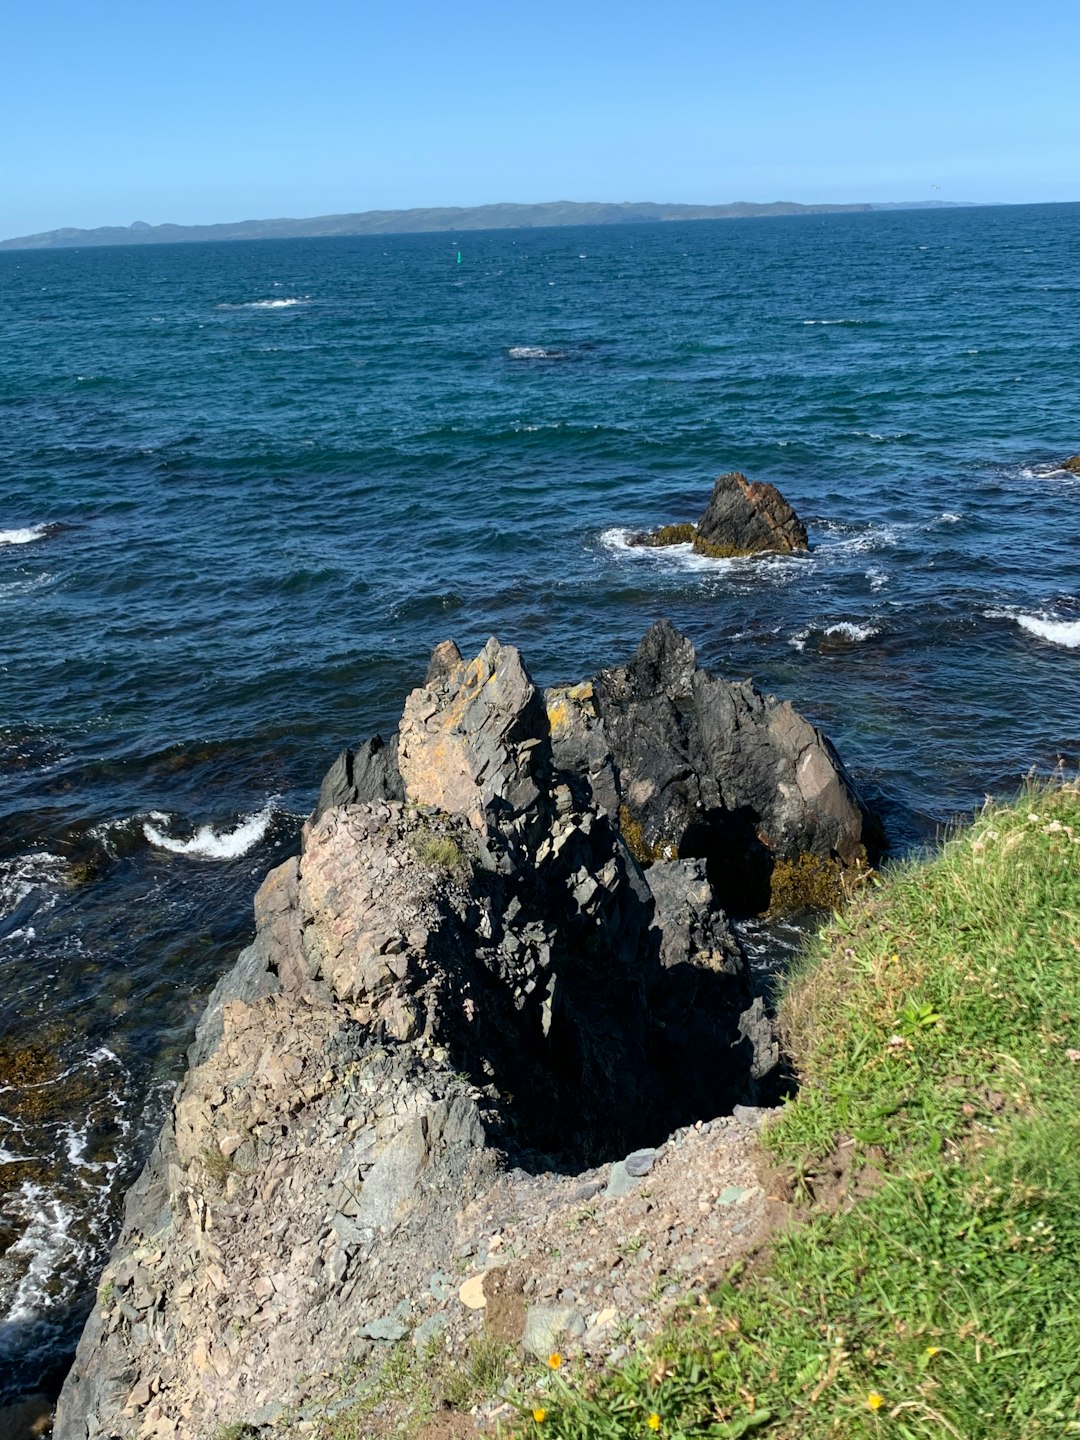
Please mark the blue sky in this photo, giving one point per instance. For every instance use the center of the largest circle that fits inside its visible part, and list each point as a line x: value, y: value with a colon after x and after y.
x: 113, y: 111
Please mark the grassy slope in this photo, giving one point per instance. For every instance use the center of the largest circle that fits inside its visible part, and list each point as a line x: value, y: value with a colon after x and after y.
x: 936, y: 1027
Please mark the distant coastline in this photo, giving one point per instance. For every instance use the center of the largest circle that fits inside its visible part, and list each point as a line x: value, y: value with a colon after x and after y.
x: 444, y: 218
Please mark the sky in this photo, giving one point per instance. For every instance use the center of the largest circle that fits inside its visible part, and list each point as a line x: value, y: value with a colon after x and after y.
x: 113, y: 111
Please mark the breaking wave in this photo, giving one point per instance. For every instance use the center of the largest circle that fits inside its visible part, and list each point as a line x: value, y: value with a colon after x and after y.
x: 535, y: 352
x: 24, y: 536
x: 208, y: 843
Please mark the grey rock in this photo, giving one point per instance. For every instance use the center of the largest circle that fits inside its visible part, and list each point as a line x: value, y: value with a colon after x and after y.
x: 640, y: 1162
x: 547, y: 1326
x: 620, y: 1181
x: 388, y: 1327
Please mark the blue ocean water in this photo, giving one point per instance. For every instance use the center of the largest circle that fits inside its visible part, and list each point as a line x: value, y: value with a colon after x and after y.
x: 244, y: 488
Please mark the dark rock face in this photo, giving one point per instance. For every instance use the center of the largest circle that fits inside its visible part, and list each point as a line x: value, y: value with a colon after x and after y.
x: 367, y: 773
x: 748, y: 518
x: 1072, y: 463
x: 743, y: 517
x: 701, y: 766
x: 471, y: 969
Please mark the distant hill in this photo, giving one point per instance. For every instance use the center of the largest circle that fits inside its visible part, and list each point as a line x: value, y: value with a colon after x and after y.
x: 447, y: 218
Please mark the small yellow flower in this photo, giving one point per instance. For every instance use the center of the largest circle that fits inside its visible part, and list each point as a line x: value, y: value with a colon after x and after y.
x: 874, y: 1401
x: 653, y: 1421
x: 555, y: 1360
x: 539, y: 1415
x: 932, y: 1350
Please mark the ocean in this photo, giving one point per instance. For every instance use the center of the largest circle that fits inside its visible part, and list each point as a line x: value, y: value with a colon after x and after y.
x: 244, y: 488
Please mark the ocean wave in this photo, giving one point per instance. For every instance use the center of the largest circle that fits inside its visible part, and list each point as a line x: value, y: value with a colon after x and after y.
x: 1057, y: 632
x: 37, y: 873
x: 535, y: 352
x: 1050, y: 628
x: 15, y: 588
x: 1049, y: 470
x: 865, y: 538
x: 208, y: 843
x: 776, y: 568
x: 24, y: 536
x: 840, y: 630
x: 849, y: 630
x: 837, y: 322
x: 284, y: 303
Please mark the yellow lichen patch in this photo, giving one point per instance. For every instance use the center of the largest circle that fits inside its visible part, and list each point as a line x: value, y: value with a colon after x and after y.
x: 671, y: 535
x: 813, y: 882
x: 712, y: 551
x: 561, y: 704
x: 558, y: 712
x: 630, y: 828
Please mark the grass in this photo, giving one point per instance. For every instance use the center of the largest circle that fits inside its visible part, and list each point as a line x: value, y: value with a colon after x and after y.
x: 926, y: 1289
x: 439, y: 852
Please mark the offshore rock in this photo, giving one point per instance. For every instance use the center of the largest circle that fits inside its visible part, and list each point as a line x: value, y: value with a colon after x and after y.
x: 1072, y: 463
x: 747, y: 517
x: 743, y: 517
x: 455, y: 990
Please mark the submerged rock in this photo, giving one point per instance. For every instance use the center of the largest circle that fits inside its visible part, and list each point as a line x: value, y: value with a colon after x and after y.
x: 466, y: 974
x: 1072, y: 463
x: 743, y: 517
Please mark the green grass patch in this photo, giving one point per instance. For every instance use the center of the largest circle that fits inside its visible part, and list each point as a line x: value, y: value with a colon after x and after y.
x: 925, y: 1287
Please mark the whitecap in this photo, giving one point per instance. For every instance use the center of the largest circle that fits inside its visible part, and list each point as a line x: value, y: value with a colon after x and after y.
x: 282, y: 303
x: 24, y: 536
x: 211, y: 844
x: 835, y: 322
x: 1057, y: 632
x: 26, y: 874
x: 849, y: 630
x: 949, y: 517
x: 878, y: 579
x: 683, y: 556
x: 535, y: 352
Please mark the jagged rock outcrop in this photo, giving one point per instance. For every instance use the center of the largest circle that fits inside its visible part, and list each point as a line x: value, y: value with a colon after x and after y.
x: 464, y: 971
x: 1072, y: 463
x: 370, y: 772
x: 743, y: 517
x: 691, y: 764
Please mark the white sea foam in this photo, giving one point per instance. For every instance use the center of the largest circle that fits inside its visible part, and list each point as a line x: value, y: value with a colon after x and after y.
x: 211, y: 844
x: 24, y: 536
x: 838, y: 630
x: 48, y: 1245
x: 283, y: 303
x: 849, y: 630
x: 878, y: 579
x: 1043, y: 626
x: 1057, y: 632
x: 835, y: 322
x: 535, y: 352
x: 1049, y: 471
x: 25, y: 874
x: 949, y: 517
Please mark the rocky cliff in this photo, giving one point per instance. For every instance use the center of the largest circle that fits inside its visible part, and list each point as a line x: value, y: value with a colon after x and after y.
x: 497, y: 965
